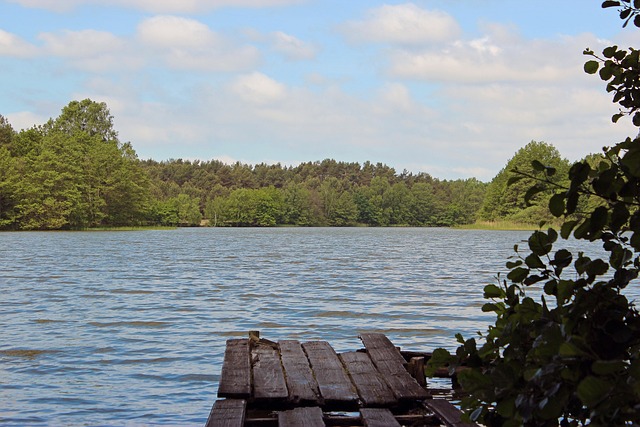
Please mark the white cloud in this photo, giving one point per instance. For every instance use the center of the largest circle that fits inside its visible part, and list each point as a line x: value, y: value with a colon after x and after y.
x: 397, y: 96
x: 403, y: 24
x: 12, y: 45
x: 292, y: 47
x: 188, y: 44
x: 154, y: 6
x: 25, y: 119
x: 259, y: 89
x: 175, y: 32
x: 498, y: 56
x: 81, y: 44
x: 179, y: 43
x: 91, y: 50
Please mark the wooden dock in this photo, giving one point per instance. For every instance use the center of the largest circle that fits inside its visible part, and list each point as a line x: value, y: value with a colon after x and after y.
x: 289, y: 383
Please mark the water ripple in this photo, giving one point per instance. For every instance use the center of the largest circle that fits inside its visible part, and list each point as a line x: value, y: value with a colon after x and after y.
x: 128, y: 328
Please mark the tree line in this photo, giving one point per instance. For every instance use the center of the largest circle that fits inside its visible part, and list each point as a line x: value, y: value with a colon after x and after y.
x: 322, y: 193
x: 74, y: 173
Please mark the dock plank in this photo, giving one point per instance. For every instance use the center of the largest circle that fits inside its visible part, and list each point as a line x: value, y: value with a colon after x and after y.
x: 387, y: 358
x: 448, y: 414
x: 227, y: 413
x: 268, y: 377
x: 371, y: 387
x: 378, y: 417
x: 310, y: 416
x: 333, y: 382
x: 303, y: 388
x: 235, y: 379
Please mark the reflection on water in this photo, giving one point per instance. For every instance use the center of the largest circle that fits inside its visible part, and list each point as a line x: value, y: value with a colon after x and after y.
x: 129, y: 328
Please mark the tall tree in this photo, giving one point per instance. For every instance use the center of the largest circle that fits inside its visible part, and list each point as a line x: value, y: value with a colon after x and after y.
x: 503, y: 200
x: 90, y: 117
x: 6, y: 132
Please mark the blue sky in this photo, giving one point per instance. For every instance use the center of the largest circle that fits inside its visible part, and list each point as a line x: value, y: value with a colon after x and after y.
x: 449, y: 87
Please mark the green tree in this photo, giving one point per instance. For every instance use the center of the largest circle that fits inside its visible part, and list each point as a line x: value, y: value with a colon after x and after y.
x: 398, y: 202
x: 377, y: 193
x: 6, y: 132
x: 87, y: 116
x: 270, y: 208
x: 423, y: 204
x: 8, y: 198
x: 48, y: 194
x: 187, y: 210
x: 298, y: 207
x: 344, y: 211
x: 502, y: 200
x: 573, y: 356
x: 74, y: 173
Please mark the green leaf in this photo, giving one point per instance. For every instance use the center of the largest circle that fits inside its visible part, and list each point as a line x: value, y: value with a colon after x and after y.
x: 492, y: 291
x: 556, y: 204
x: 581, y: 264
x: 631, y: 161
x: 534, y: 261
x: 531, y: 192
x: 551, y: 287
x: 537, y: 166
x: 567, y: 228
x: 624, y: 14
x: 568, y: 349
x: 572, y: 202
x: 606, y: 367
x: 619, y: 216
x: 591, y: 67
x: 540, y: 243
x: 513, y: 264
x: 619, y: 257
x: 610, y: 51
x: 518, y: 274
x: 593, y: 390
x: 606, y: 72
x: 561, y: 259
x: 610, y: 3
x: 597, y: 267
x: 513, y: 179
x: 564, y: 290
x: 488, y: 307
x: 582, y: 230
x: 599, y: 219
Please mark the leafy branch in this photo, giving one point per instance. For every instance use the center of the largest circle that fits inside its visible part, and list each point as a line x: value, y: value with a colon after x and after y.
x: 573, y: 358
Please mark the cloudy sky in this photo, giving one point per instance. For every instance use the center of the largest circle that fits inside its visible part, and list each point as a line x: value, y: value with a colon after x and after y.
x: 449, y: 87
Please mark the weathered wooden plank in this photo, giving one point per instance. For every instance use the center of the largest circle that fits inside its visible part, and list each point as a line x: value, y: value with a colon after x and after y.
x: 448, y: 414
x: 268, y: 377
x: 416, y: 370
x: 378, y: 417
x: 301, y: 417
x: 235, y: 379
x: 303, y: 388
x: 333, y: 381
x: 371, y: 387
x: 390, y: 363
x: 227, y: 413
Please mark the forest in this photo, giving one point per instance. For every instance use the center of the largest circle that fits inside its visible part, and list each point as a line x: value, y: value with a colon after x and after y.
x: 74, y: 173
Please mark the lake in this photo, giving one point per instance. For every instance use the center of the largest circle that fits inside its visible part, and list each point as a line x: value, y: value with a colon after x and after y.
x: 129, y: 328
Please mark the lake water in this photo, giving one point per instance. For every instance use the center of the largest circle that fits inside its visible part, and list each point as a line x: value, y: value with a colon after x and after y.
x: 129, y: 328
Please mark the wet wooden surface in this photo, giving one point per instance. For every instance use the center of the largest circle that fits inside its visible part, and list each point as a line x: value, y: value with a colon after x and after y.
x: 290, y: 383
